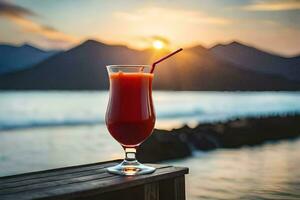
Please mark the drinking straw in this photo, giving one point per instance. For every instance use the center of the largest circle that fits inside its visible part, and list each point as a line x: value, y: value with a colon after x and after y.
x: 164, y: 58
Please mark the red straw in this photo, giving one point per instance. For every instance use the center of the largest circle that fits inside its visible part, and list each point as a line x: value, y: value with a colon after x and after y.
x: 164, y: 58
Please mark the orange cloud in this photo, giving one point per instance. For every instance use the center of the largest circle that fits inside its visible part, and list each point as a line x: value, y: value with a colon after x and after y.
x: 17, y: 15
x: 181, y: 27
x: 171, y: 15
x: 274, y: 5
x: 45, y: 31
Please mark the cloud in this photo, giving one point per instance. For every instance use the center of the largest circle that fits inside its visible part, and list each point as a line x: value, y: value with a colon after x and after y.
x: 10, y: 10
x: 42, y: 30
x: 277, y: 5
x: 19, y: 16
x: 172, y: 15
x: 178, y: 25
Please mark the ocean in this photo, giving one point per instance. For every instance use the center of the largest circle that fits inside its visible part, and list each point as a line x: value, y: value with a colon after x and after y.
x: 44, y: 130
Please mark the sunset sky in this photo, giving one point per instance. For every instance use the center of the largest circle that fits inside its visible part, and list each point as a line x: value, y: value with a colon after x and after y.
x: 272, y: 25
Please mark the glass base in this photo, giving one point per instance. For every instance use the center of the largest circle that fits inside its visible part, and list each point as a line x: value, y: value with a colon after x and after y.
x: 129, y: 168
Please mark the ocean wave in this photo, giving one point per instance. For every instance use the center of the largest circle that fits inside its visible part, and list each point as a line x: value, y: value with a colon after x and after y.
x: 179, y: 114
x: 197, y: 115
x: 88, y: 121
x: 40, y: 124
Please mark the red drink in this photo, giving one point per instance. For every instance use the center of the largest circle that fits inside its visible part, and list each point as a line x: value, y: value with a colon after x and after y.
x: 130, y: 116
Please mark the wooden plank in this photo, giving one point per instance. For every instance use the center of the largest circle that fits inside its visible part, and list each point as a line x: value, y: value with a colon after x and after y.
x: 179, y: 184
x: 55, y: 172
x: 61, y: 181
x: 81, y: 181
x: 57, y: 183
x: 56, y: 177
x: 172, y: 189
x: 92, y: 187
x: 101, y: 180
x: 131, y: 193
x: 151, y: 191
x: 167, y: 189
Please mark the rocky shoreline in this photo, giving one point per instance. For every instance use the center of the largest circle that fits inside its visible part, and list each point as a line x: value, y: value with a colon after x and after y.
x: 179, y: 143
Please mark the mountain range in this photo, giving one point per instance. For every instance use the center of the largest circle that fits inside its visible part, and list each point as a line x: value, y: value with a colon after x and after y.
x: 14, y: 58
x: 230, y: 67
x: 251, y: 58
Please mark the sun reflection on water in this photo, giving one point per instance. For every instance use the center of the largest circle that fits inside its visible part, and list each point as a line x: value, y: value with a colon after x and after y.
x: 269, y: 171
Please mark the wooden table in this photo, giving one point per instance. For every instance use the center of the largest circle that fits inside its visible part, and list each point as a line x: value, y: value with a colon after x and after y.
x: 92, y: 182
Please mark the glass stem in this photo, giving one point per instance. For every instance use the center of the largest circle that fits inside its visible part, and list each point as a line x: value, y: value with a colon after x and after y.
x: 130, y: 154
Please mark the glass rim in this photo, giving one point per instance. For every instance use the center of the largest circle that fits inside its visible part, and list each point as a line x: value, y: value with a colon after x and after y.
x: 109, y: 66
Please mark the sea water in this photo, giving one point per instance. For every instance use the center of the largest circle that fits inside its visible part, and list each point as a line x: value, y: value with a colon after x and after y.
x: 43, y: 130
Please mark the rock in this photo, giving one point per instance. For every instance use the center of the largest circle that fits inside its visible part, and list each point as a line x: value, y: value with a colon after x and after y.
x: 163, y: 145
x: 247, y: 131
x: 204, y: 141
x: 175, y: 144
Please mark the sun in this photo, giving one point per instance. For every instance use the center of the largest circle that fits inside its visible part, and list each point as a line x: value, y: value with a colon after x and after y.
x: 158, y: 44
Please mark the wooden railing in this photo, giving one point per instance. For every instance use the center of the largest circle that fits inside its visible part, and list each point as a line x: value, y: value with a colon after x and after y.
x: 92, y: 182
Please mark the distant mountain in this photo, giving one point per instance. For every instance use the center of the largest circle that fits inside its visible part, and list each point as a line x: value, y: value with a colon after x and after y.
x: 197, y: 69
x: 13, y: 58
x: 83, y: 67
x: 250, y: 58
